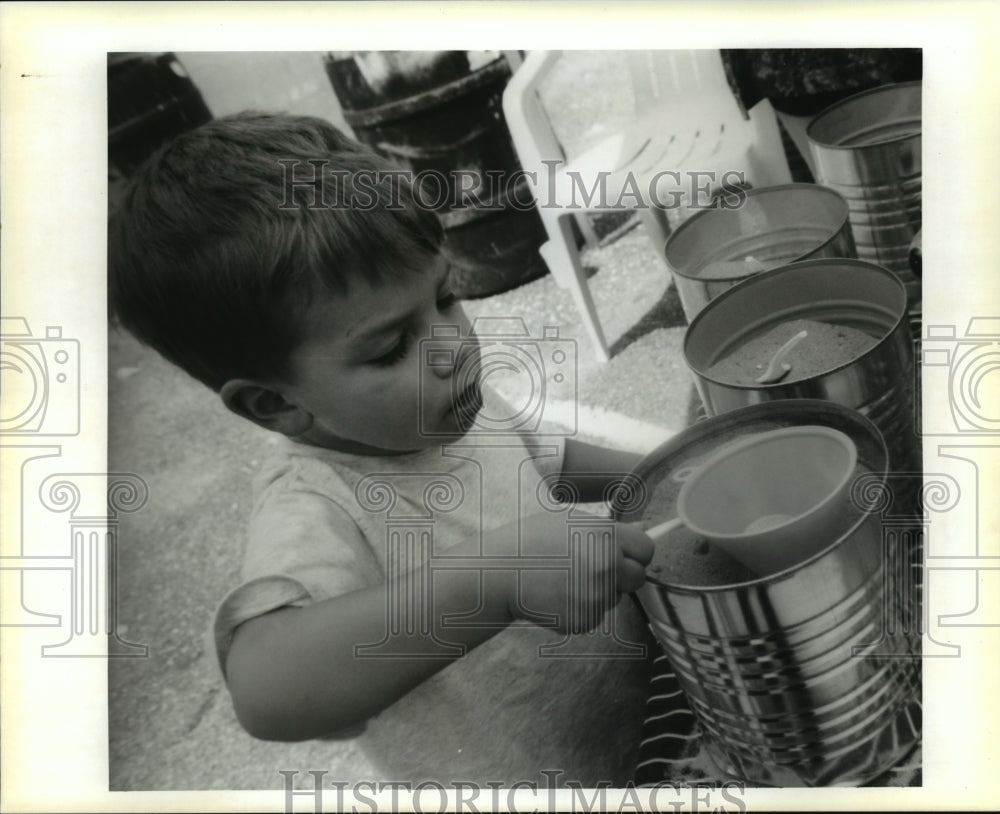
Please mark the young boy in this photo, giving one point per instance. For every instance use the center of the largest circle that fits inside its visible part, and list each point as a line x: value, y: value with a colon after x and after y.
x: 405, y: 577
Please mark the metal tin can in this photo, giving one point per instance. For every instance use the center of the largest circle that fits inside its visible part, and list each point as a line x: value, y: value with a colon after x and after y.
x: 775, y: 225
x: 867, y: 147
x: 779, y: 670
x: 878, y: 382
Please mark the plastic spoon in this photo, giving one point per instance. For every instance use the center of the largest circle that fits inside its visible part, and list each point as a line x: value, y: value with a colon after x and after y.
x: 778, y: 368
x: 660, y: 529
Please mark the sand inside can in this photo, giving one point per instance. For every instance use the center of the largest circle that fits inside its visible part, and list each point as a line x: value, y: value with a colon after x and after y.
x: 731, y: 269
x: 825, y: 347
x: 682, y: 557
x: 764, y: 250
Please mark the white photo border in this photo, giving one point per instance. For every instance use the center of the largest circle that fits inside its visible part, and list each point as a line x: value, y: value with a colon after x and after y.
x: 54, y: 204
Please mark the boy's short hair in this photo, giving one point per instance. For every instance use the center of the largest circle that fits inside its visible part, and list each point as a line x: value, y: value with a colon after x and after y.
x: 224, y: 236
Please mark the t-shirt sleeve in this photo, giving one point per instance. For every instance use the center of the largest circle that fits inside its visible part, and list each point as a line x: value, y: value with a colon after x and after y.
x: 302, y: 548
x: 547, y: 451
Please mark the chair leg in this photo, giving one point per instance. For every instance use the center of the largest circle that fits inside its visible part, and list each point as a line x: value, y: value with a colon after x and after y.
x: 657, y: 226
x: 796, y: 128
x: 564, y: 263
x: 586, y: 228
x: 767, y: 153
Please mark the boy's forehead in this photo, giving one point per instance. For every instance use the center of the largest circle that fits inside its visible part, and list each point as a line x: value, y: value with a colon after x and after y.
x: 371, y: 306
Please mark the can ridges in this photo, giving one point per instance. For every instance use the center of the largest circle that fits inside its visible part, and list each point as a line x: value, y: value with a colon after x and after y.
x: 776, y: 684
x: 782, y: 733
x: 868, y: 148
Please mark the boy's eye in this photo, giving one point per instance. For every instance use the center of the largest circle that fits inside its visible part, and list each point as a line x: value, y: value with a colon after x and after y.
x: 396, y: 354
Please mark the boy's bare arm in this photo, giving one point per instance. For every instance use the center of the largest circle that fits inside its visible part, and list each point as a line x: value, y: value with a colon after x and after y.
x: 591, y: 468
x: 293, y: 674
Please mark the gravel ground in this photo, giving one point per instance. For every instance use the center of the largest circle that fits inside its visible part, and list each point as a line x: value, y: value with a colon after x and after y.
x: 171, y: 723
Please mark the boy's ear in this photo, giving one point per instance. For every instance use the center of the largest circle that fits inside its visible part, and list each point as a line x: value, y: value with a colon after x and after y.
x: 265, y: 407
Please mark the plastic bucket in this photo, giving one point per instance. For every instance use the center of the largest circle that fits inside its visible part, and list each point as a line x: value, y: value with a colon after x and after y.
x: 780, y: 670
x: 774, y: 226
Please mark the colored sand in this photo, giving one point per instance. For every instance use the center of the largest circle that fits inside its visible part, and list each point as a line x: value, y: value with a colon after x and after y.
x: 682, y: 558
x: 761, y: 251
x: 730, y: 269
x: 824, y: 348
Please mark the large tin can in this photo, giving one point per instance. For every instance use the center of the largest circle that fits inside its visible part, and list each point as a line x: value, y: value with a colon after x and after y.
x: 775, y: 225
x: 878, y: 382
x: 781, y: 671
x: 867, y: 147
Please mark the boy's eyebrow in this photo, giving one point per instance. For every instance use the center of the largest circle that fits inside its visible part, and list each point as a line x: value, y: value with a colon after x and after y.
x: 388, y: 325
x: 378, y: 329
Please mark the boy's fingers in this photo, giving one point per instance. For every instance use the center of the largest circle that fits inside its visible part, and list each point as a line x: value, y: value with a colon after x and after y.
x: 634, y: 543
x: 631, y: 576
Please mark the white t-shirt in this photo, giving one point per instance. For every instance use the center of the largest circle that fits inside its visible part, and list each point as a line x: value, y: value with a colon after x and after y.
x: 526, y: 701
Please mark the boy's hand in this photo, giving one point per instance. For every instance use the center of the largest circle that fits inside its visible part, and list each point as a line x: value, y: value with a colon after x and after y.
x: 636, y: 551
x: 605, y: 560
x: 295, y: 674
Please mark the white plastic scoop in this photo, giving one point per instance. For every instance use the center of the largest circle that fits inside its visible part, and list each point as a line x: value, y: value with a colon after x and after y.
x: 778, y: 368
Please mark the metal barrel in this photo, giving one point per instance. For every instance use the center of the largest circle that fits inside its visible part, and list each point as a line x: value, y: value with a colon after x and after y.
x: 780, y: 670
x: 868, y: 148
x: 437, y: 115
x: 773, y: 225
x: 151, y: 99
x: 879, y: 382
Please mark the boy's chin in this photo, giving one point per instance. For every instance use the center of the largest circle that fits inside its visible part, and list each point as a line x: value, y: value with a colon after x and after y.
x: 327, y: 440
x: 453, y: 428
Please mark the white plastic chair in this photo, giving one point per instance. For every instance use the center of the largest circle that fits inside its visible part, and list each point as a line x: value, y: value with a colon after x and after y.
x: 686, y: 120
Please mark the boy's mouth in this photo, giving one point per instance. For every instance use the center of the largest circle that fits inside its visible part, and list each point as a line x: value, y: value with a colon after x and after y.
x: 467, y: 405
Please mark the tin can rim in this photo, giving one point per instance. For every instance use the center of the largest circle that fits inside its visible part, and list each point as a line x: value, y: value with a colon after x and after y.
x: 811, y: 410
x: 741, y: 287
x: 699, y: 218
x: 819, y: 119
